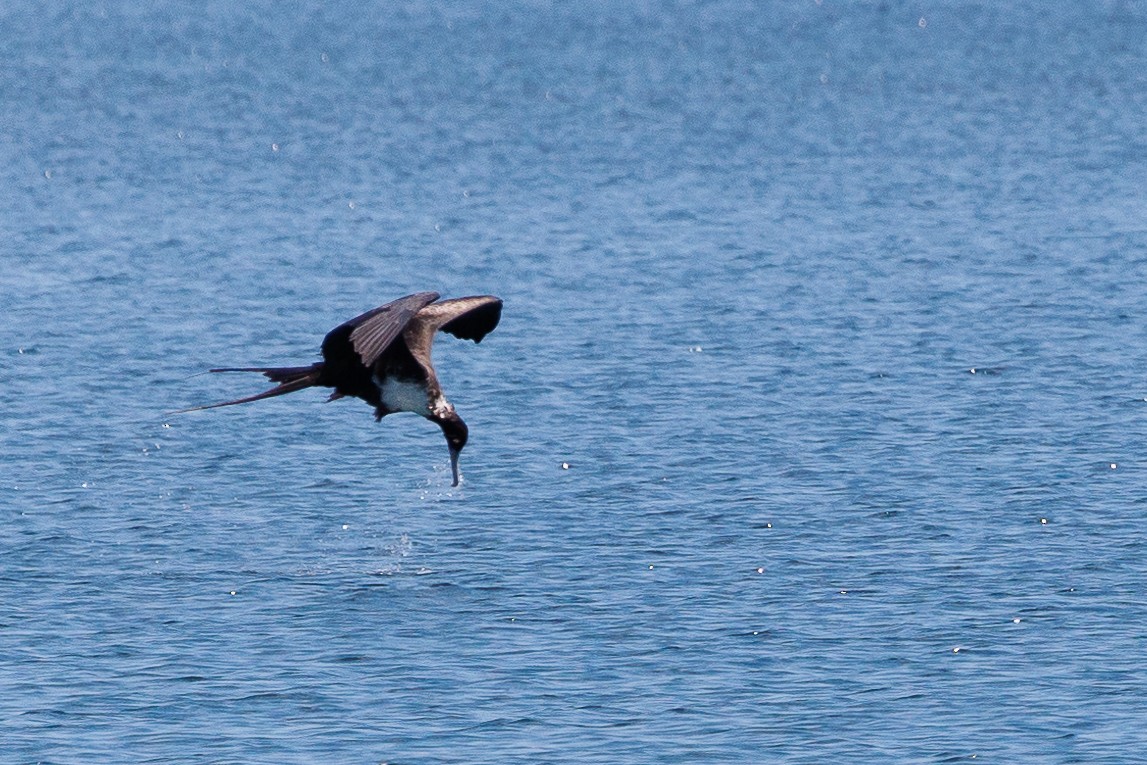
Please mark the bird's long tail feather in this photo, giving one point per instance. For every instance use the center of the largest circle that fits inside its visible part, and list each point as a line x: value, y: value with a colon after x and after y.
x: 289, y: 379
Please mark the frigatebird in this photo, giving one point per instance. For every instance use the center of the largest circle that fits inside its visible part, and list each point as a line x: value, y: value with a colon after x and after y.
x: 383, y: 357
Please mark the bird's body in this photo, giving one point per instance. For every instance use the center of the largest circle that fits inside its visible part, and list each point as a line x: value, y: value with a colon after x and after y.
x: 383, y: 358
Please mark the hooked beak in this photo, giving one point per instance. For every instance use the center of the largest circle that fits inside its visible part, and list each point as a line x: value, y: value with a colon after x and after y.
x: 454, y: 466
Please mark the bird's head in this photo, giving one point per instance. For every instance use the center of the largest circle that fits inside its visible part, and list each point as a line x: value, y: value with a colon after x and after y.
x: 456, y: 434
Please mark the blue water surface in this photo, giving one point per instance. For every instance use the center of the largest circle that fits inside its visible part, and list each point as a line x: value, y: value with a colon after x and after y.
x: 813, y: 431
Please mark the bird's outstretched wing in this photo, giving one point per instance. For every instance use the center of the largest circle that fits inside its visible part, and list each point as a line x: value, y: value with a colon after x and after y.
x: 470, y: 318
x: 370, y: 334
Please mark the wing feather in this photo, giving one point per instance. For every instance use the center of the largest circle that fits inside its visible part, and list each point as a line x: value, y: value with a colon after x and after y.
x: 468, y: 318
x: 370, y: 334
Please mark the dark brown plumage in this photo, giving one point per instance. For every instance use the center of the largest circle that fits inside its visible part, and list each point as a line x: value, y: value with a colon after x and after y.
x: 383, y: 357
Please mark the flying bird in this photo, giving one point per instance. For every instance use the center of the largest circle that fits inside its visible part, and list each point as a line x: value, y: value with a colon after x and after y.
x: 383, y: 357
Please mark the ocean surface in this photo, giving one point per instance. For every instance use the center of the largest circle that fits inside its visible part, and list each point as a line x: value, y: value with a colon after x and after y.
x: 815, y: 429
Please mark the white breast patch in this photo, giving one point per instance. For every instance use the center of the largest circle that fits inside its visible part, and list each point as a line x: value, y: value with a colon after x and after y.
x: 404, y: 396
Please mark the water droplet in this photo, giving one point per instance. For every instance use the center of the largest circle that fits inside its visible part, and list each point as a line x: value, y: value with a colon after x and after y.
x: 923, y: 22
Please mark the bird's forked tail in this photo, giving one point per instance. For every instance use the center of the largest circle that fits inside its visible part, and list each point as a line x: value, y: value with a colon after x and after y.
x: 289, y: 379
